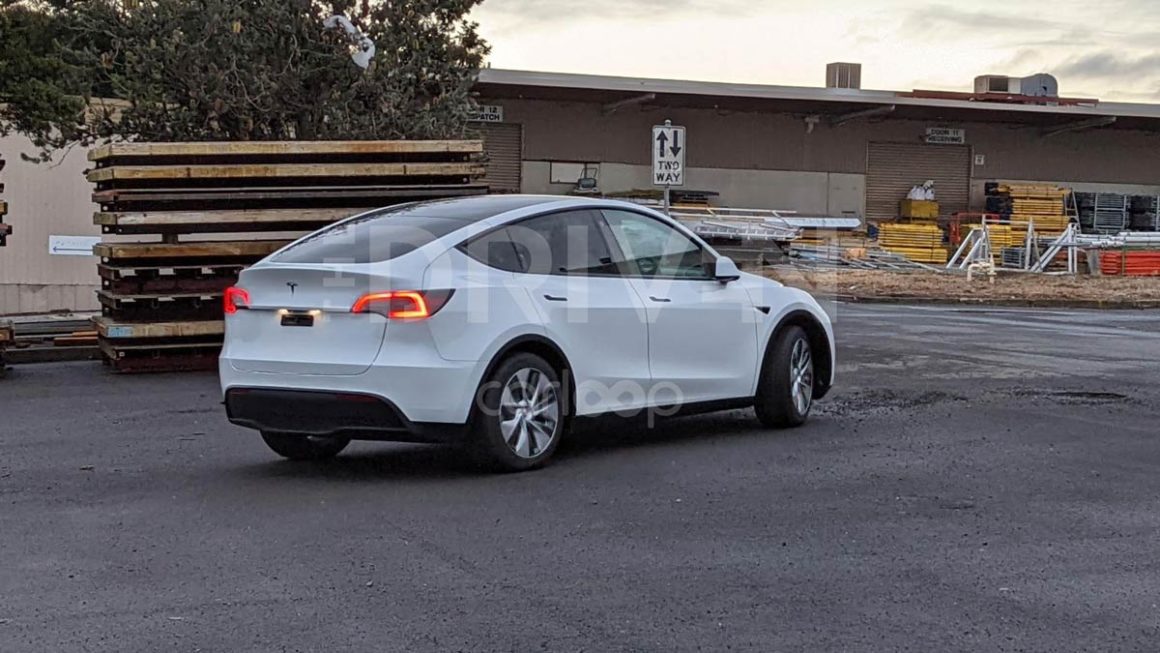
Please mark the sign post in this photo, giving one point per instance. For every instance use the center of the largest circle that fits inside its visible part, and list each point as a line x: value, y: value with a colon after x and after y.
x: 668, y: 156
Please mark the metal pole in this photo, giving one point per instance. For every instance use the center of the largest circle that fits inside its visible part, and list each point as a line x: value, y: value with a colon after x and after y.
x: 1072, y: 262
x: 668, y: 199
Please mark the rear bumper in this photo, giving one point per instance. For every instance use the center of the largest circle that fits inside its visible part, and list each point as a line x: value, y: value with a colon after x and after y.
x: 334, y: 414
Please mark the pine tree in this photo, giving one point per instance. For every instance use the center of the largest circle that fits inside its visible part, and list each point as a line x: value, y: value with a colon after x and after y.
x: 203, y: 70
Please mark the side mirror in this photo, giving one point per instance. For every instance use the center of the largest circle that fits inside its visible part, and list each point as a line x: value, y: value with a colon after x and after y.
x: 726, y: 270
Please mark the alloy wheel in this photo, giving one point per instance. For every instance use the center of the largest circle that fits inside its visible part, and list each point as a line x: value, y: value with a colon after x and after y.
x: 529, y: 412
x: 801, y: 376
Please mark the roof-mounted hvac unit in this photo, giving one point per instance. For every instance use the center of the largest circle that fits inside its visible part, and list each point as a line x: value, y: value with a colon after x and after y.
x: 1041, y: 85
x: 844, y: 75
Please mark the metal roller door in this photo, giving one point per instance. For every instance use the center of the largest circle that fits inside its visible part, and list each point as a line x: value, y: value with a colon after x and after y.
x: 892, y: 169
x: 504, y: 145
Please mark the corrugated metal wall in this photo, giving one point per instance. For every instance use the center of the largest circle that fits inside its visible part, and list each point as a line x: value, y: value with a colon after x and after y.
x: 45, y: 199
x: 504, y: 145
x: 892, y: 169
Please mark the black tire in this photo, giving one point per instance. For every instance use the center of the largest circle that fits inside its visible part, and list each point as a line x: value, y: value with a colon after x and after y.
x: 304, y: 447
x: 533, y: 448
x: 776, y: 404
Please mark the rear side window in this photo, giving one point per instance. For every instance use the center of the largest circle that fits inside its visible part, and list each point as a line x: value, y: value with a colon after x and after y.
x: 495, y: 249
x: 378, y: 236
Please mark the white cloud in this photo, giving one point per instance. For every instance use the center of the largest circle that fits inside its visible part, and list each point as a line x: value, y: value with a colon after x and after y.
x: 901, y: 44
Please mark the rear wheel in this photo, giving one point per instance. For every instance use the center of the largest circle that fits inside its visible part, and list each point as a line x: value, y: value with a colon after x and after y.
x: 785, y: 392
x: 304, y: 447
x: 520, y: 414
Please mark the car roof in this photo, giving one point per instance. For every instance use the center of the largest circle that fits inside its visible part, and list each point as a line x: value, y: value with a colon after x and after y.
x: 480, y: 207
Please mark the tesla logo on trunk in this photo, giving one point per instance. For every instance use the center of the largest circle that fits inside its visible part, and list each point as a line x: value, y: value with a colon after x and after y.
x: 292, y: 286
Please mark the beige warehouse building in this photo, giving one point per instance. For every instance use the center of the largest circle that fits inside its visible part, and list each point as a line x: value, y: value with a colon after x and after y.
x: 45, y: 200
x: 825, y: 151
x: 820, y: 151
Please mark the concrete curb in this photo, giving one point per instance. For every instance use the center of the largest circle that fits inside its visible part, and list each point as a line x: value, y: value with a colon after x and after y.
x: 1125, y: 305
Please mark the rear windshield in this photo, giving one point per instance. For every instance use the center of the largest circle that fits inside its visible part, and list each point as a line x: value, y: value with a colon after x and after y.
x: 378, y: 236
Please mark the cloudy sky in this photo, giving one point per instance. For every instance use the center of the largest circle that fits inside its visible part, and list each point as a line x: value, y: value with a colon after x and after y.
x: 1108, y: 49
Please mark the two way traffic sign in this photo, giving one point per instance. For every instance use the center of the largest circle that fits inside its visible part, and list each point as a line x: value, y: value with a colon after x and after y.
x: 668, y: 145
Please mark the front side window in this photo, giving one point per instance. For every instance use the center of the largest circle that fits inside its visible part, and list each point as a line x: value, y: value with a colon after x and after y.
x: 652, y: 248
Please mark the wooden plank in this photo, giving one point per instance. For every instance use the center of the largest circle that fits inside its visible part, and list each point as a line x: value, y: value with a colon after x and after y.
x: 182, y: 357
x: 110, y: 345
x: 283, y: 148
x: 168, y: 285
x: 373, y: 195
x: 283, y: 170
x: 178, y: 218
x: 215, y: 270
x: 356, y: 189
x: 194, y: 249
x: 79, y: 340
x: 108, y: 328
x: 144, y: 297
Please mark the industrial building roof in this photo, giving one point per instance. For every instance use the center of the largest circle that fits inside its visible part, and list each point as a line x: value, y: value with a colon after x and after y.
x: 496, y: 83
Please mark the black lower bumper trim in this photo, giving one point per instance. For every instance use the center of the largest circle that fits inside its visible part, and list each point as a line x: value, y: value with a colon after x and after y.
x: 334, y: 414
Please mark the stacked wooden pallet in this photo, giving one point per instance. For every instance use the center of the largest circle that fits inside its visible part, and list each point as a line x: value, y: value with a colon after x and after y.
x: 918, y: 242
x: 5, y: 230
x: 161, y: 298
x: 1042, y: 205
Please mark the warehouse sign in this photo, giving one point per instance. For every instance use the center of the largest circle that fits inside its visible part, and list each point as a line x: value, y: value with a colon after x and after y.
x: 946, y: 136
x: 668, y: 155
x: 487, y: 113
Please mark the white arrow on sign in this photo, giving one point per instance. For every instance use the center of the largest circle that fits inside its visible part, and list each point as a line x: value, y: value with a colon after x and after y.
x: 72, y: 245
x: 668, y: 148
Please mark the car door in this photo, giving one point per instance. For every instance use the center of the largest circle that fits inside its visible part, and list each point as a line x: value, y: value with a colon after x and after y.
x: 702, y: 333
x: 588, y: 307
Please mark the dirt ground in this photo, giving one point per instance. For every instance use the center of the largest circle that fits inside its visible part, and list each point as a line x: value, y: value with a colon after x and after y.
x: 1007, y: 289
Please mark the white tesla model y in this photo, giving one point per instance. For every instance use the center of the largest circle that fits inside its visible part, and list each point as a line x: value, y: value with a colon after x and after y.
x: 494, y: 321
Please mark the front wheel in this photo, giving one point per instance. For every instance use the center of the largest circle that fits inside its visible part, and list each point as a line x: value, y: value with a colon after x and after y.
x: 304, y: 447
x: 520, y: 414
x: 785, y: 392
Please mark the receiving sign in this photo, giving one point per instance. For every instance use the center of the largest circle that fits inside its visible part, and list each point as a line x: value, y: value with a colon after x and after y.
x: 668, y: 148
x: 945, y: 136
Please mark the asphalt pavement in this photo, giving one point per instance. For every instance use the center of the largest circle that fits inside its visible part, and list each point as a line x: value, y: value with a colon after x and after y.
x: 980, y: 480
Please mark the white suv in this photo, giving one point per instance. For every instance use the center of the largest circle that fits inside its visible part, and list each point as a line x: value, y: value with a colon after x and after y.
x: 494, y: 321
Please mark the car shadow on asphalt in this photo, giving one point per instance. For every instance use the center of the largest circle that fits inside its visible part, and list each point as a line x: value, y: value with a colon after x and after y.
x: 376, y: 460
x: 591, y: 438
x: 594, y: 437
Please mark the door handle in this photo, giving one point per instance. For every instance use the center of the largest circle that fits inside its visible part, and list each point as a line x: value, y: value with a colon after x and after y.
x: 663, y: 300
x: 553, y: 298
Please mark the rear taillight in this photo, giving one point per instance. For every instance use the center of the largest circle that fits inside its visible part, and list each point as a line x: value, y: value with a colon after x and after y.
x: 234, y: 299
x: 403, y: 304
